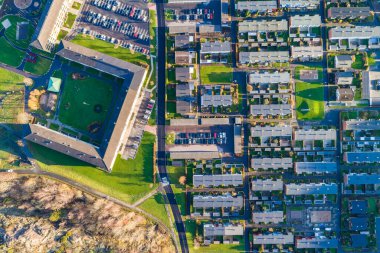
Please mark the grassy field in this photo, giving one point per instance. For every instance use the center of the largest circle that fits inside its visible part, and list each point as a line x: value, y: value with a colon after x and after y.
x: 76, y: 5
x: 359, y: 62
x: 108, y: 48
x: 152, y: 30
x: 11, y: 103
x: 41, y: 66
x: 129, y: 180
x: 155, y: 205
x: 62, y: 34
x: 309, y: 101
x: 8, y: 150
x: 70, y: 20
x: 11, y: 31
x: 79, y: 98
x: 10, y: 55
x: 217, y: 248
x: 215, y: 74
x: 174, y: 174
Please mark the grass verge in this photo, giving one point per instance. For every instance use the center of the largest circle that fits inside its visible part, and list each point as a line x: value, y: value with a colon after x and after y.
x: 129, y: 180
x: 216, y: 74
x: 110, y: 49
x: 41, y: 66
x: 155, y: 205
x: 309, y: 101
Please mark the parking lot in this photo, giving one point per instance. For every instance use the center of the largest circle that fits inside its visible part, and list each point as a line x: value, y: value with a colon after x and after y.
x: 121, y: 22
x: 142, y: 117
x: 221, y: 135
x: 201, y: 138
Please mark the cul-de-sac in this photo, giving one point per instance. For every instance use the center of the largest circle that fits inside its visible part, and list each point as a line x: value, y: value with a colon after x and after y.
x: 202, y: 126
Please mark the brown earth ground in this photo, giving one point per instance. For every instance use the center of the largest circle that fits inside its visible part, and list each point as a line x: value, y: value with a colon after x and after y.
x: 38, y: 214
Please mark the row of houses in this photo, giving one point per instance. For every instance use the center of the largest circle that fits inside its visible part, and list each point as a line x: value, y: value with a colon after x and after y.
x: 269, y: 6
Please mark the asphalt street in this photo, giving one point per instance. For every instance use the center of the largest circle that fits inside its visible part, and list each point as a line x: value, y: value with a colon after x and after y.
x: 160, y: 101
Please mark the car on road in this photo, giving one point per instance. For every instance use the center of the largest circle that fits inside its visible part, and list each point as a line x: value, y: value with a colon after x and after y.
x: 165, y: 181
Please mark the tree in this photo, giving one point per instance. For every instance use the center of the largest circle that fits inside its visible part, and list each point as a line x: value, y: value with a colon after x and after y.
x: 182, y: 180
x: 249, y: 88
x: 170, y: 138
x: 28, y: 81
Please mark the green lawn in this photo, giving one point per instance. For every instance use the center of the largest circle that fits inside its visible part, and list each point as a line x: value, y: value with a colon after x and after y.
x: 359, y: 62
x: 191, y: 227
x: 10, y: 55
x: 11, y: 103
x: 110, y: 49
x: 171, y: 107
x: 309, y: 101
x: 62, y: 34
x: 9, y: 150
x: 41, y: 66
x: 11, y: 31
x: 152, y: 30
x: 79, y: 98
x: 70, y: 20
x: 76, y: 5
x: 129, y: 180
x: 155, y: 205
x: 216, y: 74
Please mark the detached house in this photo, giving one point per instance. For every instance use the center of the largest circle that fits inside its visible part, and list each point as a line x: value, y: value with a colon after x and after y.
x: 344, y: 61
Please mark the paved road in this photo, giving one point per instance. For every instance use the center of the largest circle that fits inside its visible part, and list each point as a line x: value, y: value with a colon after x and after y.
x: 161, y: 155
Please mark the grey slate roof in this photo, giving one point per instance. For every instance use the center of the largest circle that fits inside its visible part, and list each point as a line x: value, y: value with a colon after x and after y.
x: 267, y: 185
x: 358, y: 206
x: 183, y: 41
x: 359, y: 240
x: 362, y: 125
x: 317, y: 243
x: 305, y: 21
x: 133, y: 76
x: 215, y: 47
x: 362, y: 178
x: 183, y: 89
x: 263, y: 56
x: 273, y: 109
x: 273, y: 238
x: 260, y: 6
x: 314, y: 134
x: 238, y: 142
x: 183, y: 106
x: 358, y: 223
x: 348, y: 12
x: 182, y: 27
x: 299, y: 3
x: 362, y: 157
x: 271, y: 163
x: 315, y: 167
x: 216, y: 100
x: 217, y: 180
x: 210, y: 230
x: 370, y: 84
x: 274, y: 217
x: 46, y: 23
x: 311, y: 189
x: 65, y: 144
x: 263, y: 26
x: 217, y: 201
x: 307, y: 51
x: 358, y: 32
x: 268, y: 78
x: 268, y: 131
x: 343, y: 61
